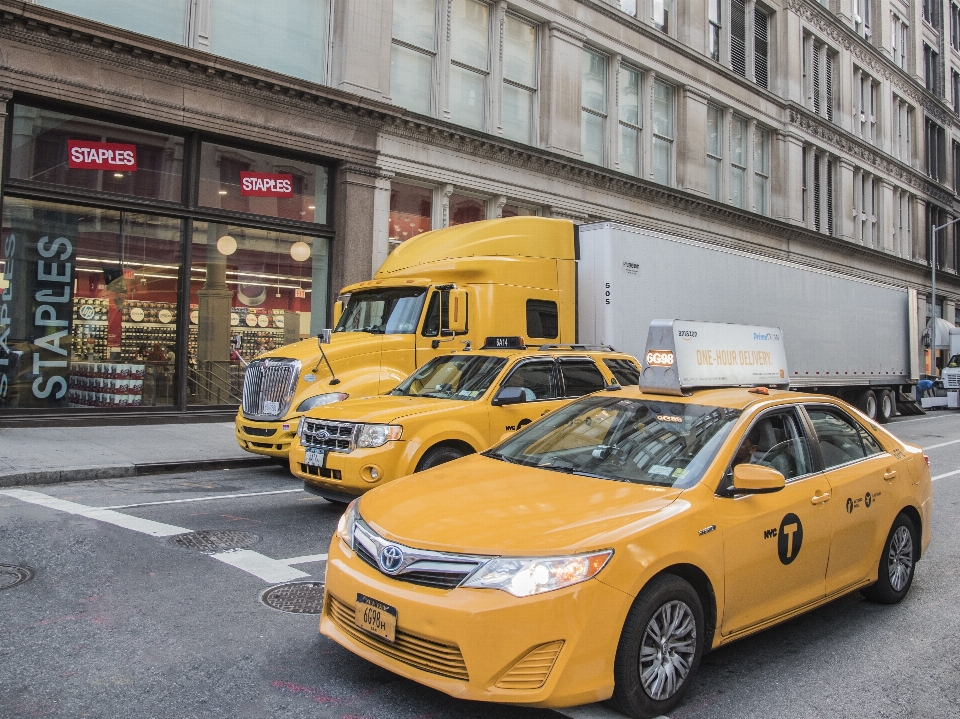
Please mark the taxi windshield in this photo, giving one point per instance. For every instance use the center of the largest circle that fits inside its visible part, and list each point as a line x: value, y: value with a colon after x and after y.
x: 384, y: 311
x: 664, y: 443
x: 464, y: 377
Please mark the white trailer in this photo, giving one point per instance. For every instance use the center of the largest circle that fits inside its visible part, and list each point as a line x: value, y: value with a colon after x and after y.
x: 844, y: 336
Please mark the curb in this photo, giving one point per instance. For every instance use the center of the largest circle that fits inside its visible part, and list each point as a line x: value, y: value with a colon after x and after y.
x: 81, y: 474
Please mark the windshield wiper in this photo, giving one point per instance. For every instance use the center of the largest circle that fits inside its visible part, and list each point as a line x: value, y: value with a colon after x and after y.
x: 505, y: 458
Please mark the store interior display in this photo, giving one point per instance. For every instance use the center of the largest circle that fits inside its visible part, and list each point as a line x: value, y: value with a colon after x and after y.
x: 104, y: 384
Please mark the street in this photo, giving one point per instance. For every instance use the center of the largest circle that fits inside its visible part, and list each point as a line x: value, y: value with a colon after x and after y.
x: 117, y: 619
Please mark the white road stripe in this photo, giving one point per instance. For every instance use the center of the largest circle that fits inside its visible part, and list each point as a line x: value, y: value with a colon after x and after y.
x: 203, y: 499
x: 259, y: 565
x: 145, y: 526
x: 306, y: 559
x: 948, y: 474
x: 942, y: 444
x: 924, y: 419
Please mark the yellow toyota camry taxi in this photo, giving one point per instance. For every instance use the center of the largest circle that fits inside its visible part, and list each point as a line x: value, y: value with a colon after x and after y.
x: 599, y: 552
x: 454, y: 405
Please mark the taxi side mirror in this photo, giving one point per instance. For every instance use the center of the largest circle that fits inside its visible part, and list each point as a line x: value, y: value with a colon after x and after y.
x: 509, y: 395
x: 337, y: 311
x: 457, y: 311
x: 757, y: 479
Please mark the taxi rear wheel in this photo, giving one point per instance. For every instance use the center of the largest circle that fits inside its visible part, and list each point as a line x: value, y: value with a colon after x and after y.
x: 897, y: 564
x: 660, y: 648
x: 439, y: 455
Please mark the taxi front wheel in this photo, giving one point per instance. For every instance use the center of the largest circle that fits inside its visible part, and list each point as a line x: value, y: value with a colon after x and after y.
x: 660, y: 648
x: 897, y: 563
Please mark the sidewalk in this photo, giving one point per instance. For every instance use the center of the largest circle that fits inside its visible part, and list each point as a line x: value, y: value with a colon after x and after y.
x: 47, y: 455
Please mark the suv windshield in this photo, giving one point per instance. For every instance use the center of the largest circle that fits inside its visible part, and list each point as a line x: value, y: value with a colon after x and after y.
x: 641, y: 441
x: 459, y: 377
x: 385, y: 311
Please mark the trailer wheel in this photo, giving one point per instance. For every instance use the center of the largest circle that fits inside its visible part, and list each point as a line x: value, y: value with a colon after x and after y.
x: 886, y: 407
x: 867, y: 403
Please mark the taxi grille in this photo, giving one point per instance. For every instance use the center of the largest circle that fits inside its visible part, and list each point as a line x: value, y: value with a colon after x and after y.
x: 327, y: 435
x: 268, y: 387
x: 415, y: 651
x: 532, y: 671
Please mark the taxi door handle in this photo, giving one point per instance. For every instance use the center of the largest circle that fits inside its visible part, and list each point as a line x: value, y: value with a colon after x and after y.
x: 890, y: 474
x: 820, y: 498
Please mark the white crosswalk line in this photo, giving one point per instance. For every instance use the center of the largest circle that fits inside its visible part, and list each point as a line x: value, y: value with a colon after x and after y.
x: 259, y: 565
x: 203, y: 499
x: 942, y: 444
x: 306, y: 559
x: 943, y: 476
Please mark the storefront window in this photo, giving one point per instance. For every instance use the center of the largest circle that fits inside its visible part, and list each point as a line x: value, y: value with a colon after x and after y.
x: 245, y: 181
x: 410, y: 210
x: 518, y: 211
x: 89, y: 303
x: 85, y: 154
x: 466, y: 209
x: 251, y: 291
x: 158, y: 18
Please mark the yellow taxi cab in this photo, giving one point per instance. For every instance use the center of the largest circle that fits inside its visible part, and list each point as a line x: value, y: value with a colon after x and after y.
x: 455, y: 404
x: 601, y: 551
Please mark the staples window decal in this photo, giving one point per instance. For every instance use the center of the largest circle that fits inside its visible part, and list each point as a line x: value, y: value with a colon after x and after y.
x: 89, y: 155
x: 266, y: 184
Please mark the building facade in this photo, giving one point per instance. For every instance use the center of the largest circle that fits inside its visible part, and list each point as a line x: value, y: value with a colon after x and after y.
x: 183, y: 172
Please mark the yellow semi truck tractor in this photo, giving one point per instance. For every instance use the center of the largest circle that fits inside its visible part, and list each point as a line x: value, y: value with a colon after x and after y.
x: 514, y: 276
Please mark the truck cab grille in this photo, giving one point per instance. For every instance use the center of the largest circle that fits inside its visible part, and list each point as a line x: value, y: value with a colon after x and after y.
x: 268, y: 388
x: 327, y: 435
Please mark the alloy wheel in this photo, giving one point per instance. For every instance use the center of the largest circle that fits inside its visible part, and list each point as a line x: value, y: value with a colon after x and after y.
x: 900, y: 558
x: 667, y: 650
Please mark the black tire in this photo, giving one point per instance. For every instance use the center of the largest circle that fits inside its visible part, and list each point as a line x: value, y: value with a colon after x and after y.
x: 281, y: 462
x: 867, y: 403
x: 897, y: 563
x: 631, y: 695
x: 337, y: 501
x: 886, y: 406
x: 439, y: 455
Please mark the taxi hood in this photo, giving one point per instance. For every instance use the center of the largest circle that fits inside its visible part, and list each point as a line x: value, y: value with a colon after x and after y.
x: 382, y: 409
x: 479, y: 505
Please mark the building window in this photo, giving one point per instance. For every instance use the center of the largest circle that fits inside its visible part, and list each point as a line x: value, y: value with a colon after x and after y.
x: 469, y: 63
x: 714, y: 16
x: 931, y: 66
x: 738, y: 162
x: 662, y: 10
x: 901, y: 223
x: 902, y: 130
x: 955, y: 26
x: 412, y: 53
x: 164, y: 19
x: 761, y: 48
x: 663, y: 114
x: 410, y: 212
x: 629, y: 7
x: 865, y: 208
x: 956, y: 167
x: 955, y: 85
x: 930, y: 11
x: 738, y: 37
x: 519, y: 79
x: 761, y: 170
x: 714, y: 150
x: 821, y: 169
x: 803, y: 185
x: 518, y: 211
x: 816, y: 191
x: 464, y: 208
x: 631, y: 119
x: 935, y: 150
x: 899, y: 41
x: 861, y: 17
x: 865, y: 105
x: 594, y: 108
x: 830, y: 196
x: 819, y: 62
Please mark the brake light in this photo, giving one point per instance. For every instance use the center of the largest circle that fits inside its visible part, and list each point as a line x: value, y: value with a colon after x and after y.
x: 926, y: 459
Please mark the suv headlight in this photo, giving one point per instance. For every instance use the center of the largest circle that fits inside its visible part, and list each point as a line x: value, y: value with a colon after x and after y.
x: 377, y: 435
x: 525, y: 576
x: 348, y: 521
x: 320, y: 400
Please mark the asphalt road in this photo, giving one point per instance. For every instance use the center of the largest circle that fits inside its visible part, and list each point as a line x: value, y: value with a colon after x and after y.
x: 118, y: 622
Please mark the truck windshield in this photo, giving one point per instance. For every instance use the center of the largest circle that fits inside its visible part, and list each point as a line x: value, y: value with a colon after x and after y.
x: 461, y: 377
x: 668, y: 444
x: 384, y: 311
x: 954, y: 362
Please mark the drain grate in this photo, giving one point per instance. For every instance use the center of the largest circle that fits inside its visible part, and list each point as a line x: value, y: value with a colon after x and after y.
x: 211, y: 541
x: 12, y: 574
x: 295, y: 597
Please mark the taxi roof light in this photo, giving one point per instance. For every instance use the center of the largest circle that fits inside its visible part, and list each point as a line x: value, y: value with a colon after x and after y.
x: 504, y: 343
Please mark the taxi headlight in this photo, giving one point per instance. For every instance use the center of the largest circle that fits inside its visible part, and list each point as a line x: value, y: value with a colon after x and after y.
x: 377, y: 435
x: 525, y: 576
x: 320, y: 400
x: 348, y: 521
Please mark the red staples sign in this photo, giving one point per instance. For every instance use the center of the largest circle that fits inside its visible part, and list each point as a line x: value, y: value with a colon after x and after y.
x: 266, y: 184
x: 88, y: 155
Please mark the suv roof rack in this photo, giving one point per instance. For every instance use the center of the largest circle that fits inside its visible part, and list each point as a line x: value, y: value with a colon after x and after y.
x: 591, y: 348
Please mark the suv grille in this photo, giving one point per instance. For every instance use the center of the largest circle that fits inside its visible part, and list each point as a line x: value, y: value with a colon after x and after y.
x: 268, y: 388
x: 331, y: 436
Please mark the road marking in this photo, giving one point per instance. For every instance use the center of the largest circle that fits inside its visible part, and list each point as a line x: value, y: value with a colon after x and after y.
x: 923, y: 419
x: 942, y: 476
x: 203, y: 499
x: 144, y: 526
x: 942, y: 444
x: 306, y: 559
x: 259, y: 565
x: 593, y: 711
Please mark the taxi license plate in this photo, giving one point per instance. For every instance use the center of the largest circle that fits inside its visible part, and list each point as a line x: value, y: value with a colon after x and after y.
x: 376, y: 618
x: 314, y: 458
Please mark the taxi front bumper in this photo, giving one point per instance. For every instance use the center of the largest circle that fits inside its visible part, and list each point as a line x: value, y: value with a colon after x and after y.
x: 272, y: 439
x: 352, y: 472
x: 472, y: 643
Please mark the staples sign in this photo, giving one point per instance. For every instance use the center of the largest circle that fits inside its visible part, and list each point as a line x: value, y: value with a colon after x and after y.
x: 88, y: 155
x: 266, y: 184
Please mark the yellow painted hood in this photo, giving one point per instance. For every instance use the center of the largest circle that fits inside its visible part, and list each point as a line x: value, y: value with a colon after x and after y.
x: 486, y: 506
x: 383, y: 409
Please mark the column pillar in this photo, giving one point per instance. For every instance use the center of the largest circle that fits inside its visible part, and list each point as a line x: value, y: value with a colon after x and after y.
x: 381, y: 219
x: 847, y: 214
x: 561, y: 90
x: 360, y: 52
x: 692, y: 142
x: 352, y: 256
x: 885, y: 217
x: 787, y: 178
x: 215, y: 305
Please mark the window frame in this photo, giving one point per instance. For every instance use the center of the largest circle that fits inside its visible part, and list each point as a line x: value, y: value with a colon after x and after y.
x: 534, y: 91
x: 621, y: 123
x: 484, y: 73
x: 577, y: 360
x: 604, y: 115
x: 655, y: 136
x: 554, y: 377
x: 856, y: 425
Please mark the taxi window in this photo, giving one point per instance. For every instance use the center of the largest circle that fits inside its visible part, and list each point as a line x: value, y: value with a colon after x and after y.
x: 775, y: 440
x: 580, y: 377
x: 839, y: 436
x: 627, y: 440
x: 460, y: 377
x: 625, y: 371
x: 537, y: 379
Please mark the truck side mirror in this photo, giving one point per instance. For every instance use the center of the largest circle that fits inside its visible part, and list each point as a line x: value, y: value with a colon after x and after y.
x: 509, y: 395
x: 457, y: 311
x: 337, y: 311
x: 757, y: 479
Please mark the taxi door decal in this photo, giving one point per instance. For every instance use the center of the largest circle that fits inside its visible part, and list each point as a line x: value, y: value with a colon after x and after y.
x: 789, y: 538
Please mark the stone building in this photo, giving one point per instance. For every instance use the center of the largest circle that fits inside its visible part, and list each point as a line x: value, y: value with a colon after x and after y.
x: 826, y: 133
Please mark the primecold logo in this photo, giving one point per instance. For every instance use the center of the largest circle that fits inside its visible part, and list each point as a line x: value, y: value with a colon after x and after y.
x: 89, y: 155
x: 266, y: 184
x: 766, y: 337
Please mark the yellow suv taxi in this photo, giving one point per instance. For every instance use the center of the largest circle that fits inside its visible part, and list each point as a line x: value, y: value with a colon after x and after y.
x: 601, y: 551
x: 454, y: 405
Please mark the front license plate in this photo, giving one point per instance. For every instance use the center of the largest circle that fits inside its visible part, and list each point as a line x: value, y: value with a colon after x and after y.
x: 376, y: 617
x: 271, y: 407
x: 314, y: 458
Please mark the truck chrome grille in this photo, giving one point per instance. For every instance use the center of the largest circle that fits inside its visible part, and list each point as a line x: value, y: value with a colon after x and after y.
x: 951, y: 380
x: 268, y: 388
x: 331, y: 436
x: 419, y: 566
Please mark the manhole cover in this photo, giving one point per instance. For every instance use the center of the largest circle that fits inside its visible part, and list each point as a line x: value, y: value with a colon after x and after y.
x: 295, y: 597
x: 11, y: 575
x: 211, y: 541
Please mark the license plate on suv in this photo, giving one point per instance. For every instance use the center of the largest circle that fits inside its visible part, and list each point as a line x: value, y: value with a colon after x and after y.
x: 314, y: 458
x: 376, y: 618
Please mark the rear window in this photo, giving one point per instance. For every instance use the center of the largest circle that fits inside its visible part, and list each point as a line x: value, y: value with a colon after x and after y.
x: 625, y: 371
x: 543, y: 319
x: 580, y: 378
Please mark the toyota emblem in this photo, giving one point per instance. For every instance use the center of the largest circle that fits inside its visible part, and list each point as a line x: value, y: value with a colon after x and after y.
x: 391, y: 558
